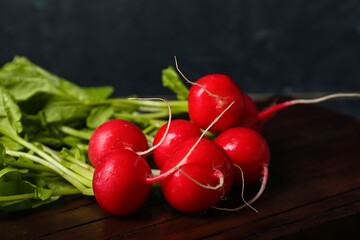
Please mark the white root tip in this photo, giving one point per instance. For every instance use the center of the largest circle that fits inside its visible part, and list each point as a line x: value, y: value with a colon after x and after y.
x: 243, y: 188
x: 219, y: 174
x: 194, y: 83
x: 167, y: 128
x: 260, y: 192
x: 324, y: 98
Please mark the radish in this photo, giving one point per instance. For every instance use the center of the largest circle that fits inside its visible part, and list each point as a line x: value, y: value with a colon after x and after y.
x: 119, y: 182
x: 250, y: 118
x: 247, y: 149
x: 209, y: 96
x: 213, y: 92
x: 197, y: 175
x: 114, y: 135
x: 189, y: 189
x: 122, y: 180
x: 179, y: 131
x: 250, y: 154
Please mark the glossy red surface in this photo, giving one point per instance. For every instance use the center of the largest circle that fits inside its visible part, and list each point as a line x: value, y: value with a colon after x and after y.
x: 247, y: 149
x: 204, y: 108
x: 203, y: 164
x: 179, y: 131
x: 114, y: 135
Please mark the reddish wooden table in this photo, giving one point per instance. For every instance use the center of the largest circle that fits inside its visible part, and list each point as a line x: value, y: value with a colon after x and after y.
x: 313, y: 193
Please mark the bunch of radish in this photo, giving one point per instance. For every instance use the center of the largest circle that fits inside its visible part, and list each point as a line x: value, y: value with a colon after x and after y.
x: 196, y: 171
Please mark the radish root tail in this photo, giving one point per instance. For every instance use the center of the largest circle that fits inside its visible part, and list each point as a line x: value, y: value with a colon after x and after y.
x: 264, y: 115
x: 167, y: 128
x: 260, y: 192
x: 194, y: 83
x: 243, y: 188
x: 218, y: 174
x: 324, y: 98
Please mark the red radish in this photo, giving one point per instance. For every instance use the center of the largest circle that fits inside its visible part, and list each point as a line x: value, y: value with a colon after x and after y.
x: 250, y: 117
x: 119, y: 182
x: 122, y: 180
x: 207, y: 164
x: 208, y: 176
x: 209, y: 96
x: 247, y: 149
x: 179, y: 131
x: 212, y: 92
x: 114, y: 135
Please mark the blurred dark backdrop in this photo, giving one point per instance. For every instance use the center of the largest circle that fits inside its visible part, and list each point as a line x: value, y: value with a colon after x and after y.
x: 267, y: 46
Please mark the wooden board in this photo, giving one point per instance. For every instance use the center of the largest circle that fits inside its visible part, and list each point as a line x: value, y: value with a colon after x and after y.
x: 313, y: 193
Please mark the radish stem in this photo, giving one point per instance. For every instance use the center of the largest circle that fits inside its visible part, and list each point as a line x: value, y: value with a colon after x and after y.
x: 50, y: 162
x: 61, y: 192
x: 76, y: 133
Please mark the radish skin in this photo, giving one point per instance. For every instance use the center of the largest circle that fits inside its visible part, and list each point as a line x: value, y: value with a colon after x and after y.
x: 119, y: 182
x: 204, y: 107
x: 113, y: 135
x: 204, y: 164
x: 250, y: 117
x: 176, y: 168
x: 208, y: 176
x: 179, y: 131
x: 247, y: 149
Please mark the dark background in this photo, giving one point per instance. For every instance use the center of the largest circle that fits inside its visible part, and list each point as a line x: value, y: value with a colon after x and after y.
x: 266, y: 46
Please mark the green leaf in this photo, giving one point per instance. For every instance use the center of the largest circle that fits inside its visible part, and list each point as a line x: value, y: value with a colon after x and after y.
x: 11, y: 169
x: 2, y: 155
x: 58, y: 184
x: 9, y: 187
x: 42, y: 193
x: 171, y: 80
x: 11, y: 183
x: 84, y: 94
x: 37, y: 203
x: 75, y: 153
x: 24, y: 79
x: 99, y: 115
x: 10, y: 114
x: 25, y: 194
x: 15, y: 205
x: 100, y: 93
x: 23, y: 204
x: 72, y: 141
x: 10, y: 144
x: 64, y: 111
x: 38, y: 90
